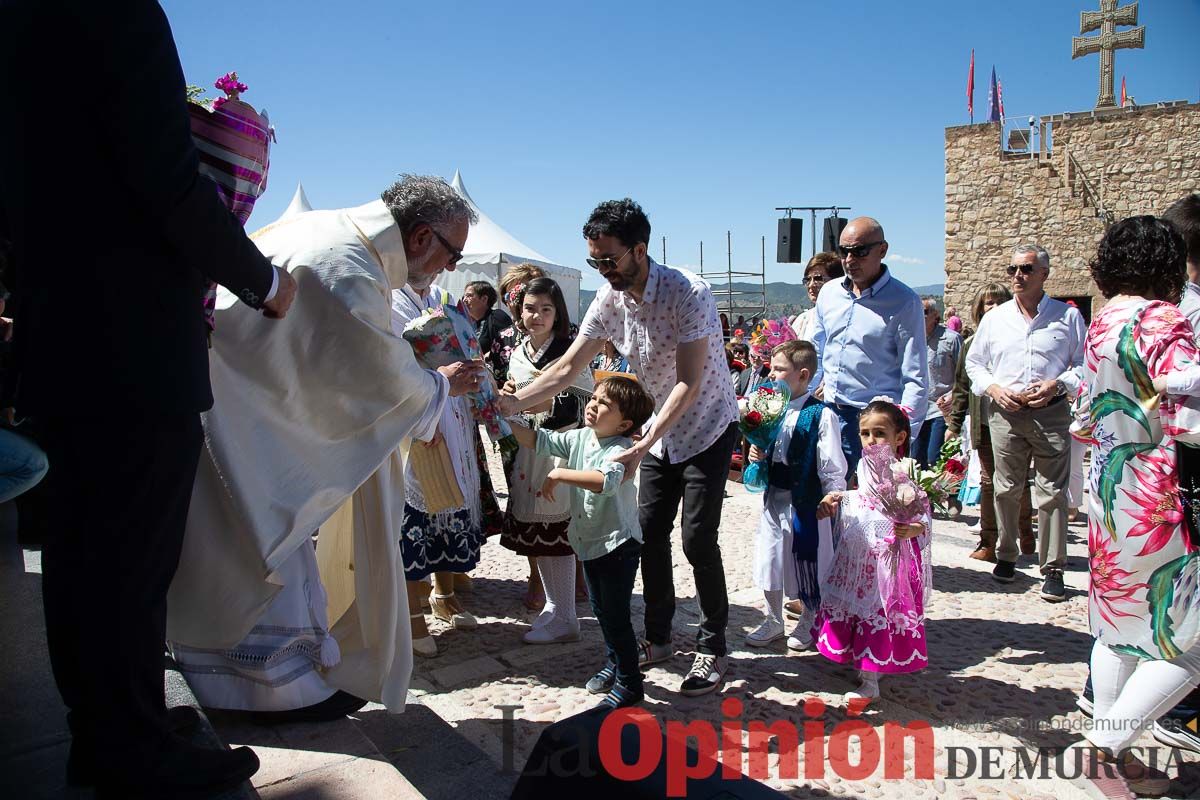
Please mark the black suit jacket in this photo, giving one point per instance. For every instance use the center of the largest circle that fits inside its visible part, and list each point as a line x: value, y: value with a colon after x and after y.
x: 114, y: 229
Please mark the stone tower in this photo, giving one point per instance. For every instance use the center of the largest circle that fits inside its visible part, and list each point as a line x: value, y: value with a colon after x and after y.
x: 1091, y: 169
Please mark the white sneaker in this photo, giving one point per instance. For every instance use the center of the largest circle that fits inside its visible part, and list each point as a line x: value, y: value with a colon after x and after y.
x: 975, y: 528
x: 552, y: 633
x: 770, y: 630
x: 867, y: 690
x: 801, y: 636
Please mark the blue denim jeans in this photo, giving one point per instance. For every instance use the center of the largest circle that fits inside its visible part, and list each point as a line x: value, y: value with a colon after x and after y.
x: 851, y: 444
x: 22, y: 464
x: 610, y: 588
x: 929, y: 442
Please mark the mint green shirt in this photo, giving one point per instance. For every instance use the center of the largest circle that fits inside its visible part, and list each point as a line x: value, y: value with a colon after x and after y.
x: 600, y: 521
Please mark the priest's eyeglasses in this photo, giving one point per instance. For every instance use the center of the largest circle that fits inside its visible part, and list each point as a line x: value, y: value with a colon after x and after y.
x: 608, y: 262
x: 455, y: 255
x: 1026, y: 269
x: 857, y: 250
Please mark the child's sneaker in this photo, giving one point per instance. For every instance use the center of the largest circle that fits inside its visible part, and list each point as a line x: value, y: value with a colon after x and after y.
x: 867, y: 690
x: 771, y: 630
x: 801, y: 637
x: 622, y: 697
x: 602, y: 681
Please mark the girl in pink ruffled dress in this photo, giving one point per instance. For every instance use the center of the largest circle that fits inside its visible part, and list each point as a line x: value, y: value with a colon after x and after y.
x: 872, y: 612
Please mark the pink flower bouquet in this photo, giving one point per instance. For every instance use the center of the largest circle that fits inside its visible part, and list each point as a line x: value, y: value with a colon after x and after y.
x: 769, y: 334
x: 443, y: 336
x: 891, y: 485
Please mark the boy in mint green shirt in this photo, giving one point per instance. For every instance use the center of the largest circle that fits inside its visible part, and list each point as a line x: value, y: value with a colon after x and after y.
x: 604, y: 530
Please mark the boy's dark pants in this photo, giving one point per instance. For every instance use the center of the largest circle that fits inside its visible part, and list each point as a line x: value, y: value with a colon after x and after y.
x: 610, y: 586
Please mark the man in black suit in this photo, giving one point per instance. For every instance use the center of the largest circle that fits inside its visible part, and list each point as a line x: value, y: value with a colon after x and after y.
x: 115, y: 233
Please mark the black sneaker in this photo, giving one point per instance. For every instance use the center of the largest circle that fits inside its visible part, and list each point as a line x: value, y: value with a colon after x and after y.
x: 705, y: 675
x: 1053, y: 590
x: 1005, y: 571
x: 622, y: 697
x: 1174, y: 732
x: 602, y: 682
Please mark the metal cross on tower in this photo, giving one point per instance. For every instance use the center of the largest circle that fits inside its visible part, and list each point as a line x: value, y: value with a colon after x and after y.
x: 1107, y: 19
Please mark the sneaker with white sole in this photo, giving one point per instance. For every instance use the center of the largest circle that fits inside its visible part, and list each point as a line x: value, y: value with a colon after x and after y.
x: 801, y: 637
x: 552, y: 633
x: 651, y: 653
x: 602, y: 682
x: 867, y: 689
x: 1174, y: 732
x: 771, y: 630
x: 705, y: 675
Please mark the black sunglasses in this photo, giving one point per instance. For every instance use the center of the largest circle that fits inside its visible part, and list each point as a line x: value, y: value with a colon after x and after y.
x: 1026, y: 269
x: 858, y: 250
x: 455, y: 255
x: 815, y: 278
x: 607, y: 262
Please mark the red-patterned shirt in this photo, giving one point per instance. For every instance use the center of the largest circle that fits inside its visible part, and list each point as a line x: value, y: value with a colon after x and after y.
x: 676, y: 308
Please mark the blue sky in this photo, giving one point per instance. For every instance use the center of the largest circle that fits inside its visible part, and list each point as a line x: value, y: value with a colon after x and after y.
x: 708, y: 114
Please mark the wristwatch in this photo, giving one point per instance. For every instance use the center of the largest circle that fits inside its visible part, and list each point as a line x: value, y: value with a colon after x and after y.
x: 1060, y: 388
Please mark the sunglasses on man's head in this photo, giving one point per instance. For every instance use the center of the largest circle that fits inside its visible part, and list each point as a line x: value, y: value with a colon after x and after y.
x: 858, y: 250
x: 1026, y: 269
x: 608, y: 262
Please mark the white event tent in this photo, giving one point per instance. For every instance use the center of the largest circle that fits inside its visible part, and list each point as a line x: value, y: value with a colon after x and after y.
x: 490, y: 252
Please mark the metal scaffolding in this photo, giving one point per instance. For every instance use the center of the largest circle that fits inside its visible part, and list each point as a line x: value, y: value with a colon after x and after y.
x: 751, y: 302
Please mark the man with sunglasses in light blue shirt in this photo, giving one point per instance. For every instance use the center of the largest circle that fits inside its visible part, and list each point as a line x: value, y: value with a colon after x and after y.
x: 870, y: 335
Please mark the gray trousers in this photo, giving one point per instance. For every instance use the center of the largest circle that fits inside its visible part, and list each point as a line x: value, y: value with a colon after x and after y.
x: 1043, y: 435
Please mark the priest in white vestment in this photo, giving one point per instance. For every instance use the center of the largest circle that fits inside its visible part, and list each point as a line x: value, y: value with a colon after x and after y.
x: 312, y: 418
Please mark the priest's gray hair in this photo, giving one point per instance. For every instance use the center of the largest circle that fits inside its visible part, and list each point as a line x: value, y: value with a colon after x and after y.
x: 425, y: 198
x: 1043, y: 257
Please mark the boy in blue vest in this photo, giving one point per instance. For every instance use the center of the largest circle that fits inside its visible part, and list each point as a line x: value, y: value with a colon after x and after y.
x: 806, y: 463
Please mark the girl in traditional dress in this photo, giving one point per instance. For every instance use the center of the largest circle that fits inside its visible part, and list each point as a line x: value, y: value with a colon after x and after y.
x: 872, y: 612
x: 535, y: 526
x: 444, y: 542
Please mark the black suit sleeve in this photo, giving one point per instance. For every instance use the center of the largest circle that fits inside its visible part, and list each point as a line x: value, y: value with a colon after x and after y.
x: 145, y: 122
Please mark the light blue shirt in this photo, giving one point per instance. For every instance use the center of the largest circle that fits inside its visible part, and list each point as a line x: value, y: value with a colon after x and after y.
x: 1190, y: 305
x: 873, y: 344
x: 600, y: 521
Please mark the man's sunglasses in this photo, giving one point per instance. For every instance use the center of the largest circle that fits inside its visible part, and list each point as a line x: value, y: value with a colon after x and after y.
x: 455, y: 255
x: 607, y: 262
x: 858, y: 250
x: 1026, y: 269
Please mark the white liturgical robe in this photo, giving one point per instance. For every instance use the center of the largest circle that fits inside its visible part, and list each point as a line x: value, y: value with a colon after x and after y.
x: 305, y: 434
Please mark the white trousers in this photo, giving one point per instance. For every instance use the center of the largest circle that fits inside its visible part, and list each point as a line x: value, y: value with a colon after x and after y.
x: 774, y: 564
x: 1130, y: 693
x: 1075, y: 483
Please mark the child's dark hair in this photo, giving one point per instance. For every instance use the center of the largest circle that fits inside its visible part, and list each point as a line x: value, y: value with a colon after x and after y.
x: 634, y: 402
x: 800, y: 353
x: 546, y: 287
x: 899, y: 419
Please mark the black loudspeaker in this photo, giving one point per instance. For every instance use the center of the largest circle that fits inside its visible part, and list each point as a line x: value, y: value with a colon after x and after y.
x: 566, y: 763
x: 833, y: 233
x: 791, y: 236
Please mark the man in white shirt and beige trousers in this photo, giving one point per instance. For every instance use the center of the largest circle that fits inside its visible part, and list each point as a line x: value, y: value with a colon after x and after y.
x: 1027, y: 360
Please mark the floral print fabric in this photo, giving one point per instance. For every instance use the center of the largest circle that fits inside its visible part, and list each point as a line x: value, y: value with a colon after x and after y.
x: 1143, y: 596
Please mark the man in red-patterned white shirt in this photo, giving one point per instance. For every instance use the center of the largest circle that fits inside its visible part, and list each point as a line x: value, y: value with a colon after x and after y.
x: 665, y: 320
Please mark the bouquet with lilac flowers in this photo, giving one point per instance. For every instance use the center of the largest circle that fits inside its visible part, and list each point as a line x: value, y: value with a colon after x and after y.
x: 891, y: 484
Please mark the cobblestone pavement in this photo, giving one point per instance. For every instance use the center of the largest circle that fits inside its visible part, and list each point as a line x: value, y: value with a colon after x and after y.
x: 1005, y: 670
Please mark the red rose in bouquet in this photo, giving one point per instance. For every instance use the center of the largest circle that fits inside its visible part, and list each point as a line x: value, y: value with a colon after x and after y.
x: 753, y: 419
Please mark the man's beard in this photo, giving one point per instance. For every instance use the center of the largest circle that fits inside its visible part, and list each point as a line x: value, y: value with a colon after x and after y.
x: 419, y: 276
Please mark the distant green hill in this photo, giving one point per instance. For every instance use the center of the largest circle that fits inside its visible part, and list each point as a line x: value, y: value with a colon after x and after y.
x: 782, y: 298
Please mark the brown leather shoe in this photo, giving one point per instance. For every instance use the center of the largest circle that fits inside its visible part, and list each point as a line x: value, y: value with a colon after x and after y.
x: 983, y: 553
x: 1028, y: 544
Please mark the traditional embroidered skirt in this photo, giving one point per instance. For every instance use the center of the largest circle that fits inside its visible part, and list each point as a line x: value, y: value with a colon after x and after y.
x: 533, y: 526
x: 870, y: 645
x: 444, y: 542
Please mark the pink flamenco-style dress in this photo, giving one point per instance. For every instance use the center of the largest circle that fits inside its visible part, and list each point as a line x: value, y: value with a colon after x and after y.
x: 873, y: 601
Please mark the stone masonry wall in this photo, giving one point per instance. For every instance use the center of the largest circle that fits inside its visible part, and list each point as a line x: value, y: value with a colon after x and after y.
x: 1137, y: 161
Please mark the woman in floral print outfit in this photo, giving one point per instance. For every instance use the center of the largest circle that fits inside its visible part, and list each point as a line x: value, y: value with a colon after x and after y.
x: 1144, y: 595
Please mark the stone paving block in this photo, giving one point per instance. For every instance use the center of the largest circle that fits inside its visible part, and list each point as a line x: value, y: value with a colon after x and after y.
x: 469, y: 671
x: 355, y: 779
x: 532, y: 654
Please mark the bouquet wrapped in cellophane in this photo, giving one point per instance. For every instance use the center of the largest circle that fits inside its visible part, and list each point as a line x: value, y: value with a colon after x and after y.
x: 442, y: 336
x: 893, y: 485
x: 234, y: 142
x: 769, y: 334
x: 760, y: 414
